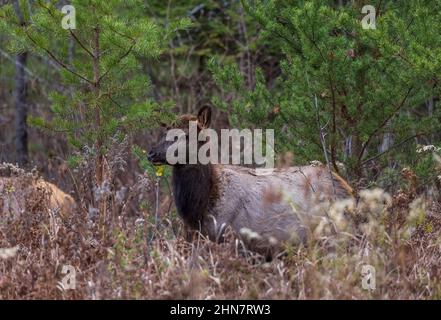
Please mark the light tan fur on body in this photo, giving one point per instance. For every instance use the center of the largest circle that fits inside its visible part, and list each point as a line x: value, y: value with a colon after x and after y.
x: 267, y: 210
x: 24, y: 194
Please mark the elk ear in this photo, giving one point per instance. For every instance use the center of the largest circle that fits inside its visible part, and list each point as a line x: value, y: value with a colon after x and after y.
x: 204, y: 117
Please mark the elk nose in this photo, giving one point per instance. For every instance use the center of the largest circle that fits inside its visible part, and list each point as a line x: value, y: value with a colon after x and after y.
x: 152, y: 154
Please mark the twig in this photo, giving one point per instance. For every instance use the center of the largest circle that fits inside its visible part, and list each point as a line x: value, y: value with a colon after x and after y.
x: 392, y: 147
x: 323, y: 142
x: 157, y: 202
x: 80, y: 43
x: 385, y: 121
x: 61, y: 63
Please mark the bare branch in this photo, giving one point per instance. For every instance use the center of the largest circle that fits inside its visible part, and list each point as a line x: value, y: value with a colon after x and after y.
x: 385, y: 121
x: 57, y: 60
x: 391, y: 148
x: 322, y: 140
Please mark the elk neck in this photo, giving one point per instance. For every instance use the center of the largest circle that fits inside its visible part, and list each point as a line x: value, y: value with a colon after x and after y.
x: 195, y: 190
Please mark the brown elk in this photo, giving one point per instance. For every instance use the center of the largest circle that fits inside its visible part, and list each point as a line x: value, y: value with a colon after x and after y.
x: 23, y: 195
x: 210, y: 197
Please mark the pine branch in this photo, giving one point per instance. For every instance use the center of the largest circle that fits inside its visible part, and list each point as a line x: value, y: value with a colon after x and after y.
x: 116, y: 63
x: 80, y: 43
x: 57, y: 60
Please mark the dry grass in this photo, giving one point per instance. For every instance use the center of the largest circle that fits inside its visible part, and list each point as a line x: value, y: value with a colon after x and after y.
x: 134, y: 259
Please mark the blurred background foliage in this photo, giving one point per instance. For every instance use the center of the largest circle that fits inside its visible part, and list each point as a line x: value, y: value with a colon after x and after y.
x: 84, y: 106
x: 305, y: 68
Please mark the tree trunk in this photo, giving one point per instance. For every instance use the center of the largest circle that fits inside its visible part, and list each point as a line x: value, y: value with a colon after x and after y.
x: 20, y: 93
x: 430, y: 105
x: 21, y: 111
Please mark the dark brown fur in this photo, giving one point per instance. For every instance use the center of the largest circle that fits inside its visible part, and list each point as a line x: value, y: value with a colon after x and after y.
x: 195, y: 189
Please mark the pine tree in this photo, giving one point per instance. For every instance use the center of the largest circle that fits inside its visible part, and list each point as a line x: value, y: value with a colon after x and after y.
x: 349, y: 85
x: 107, y: 93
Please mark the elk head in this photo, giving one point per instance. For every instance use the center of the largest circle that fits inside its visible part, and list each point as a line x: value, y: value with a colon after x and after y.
x: 158, y: 154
